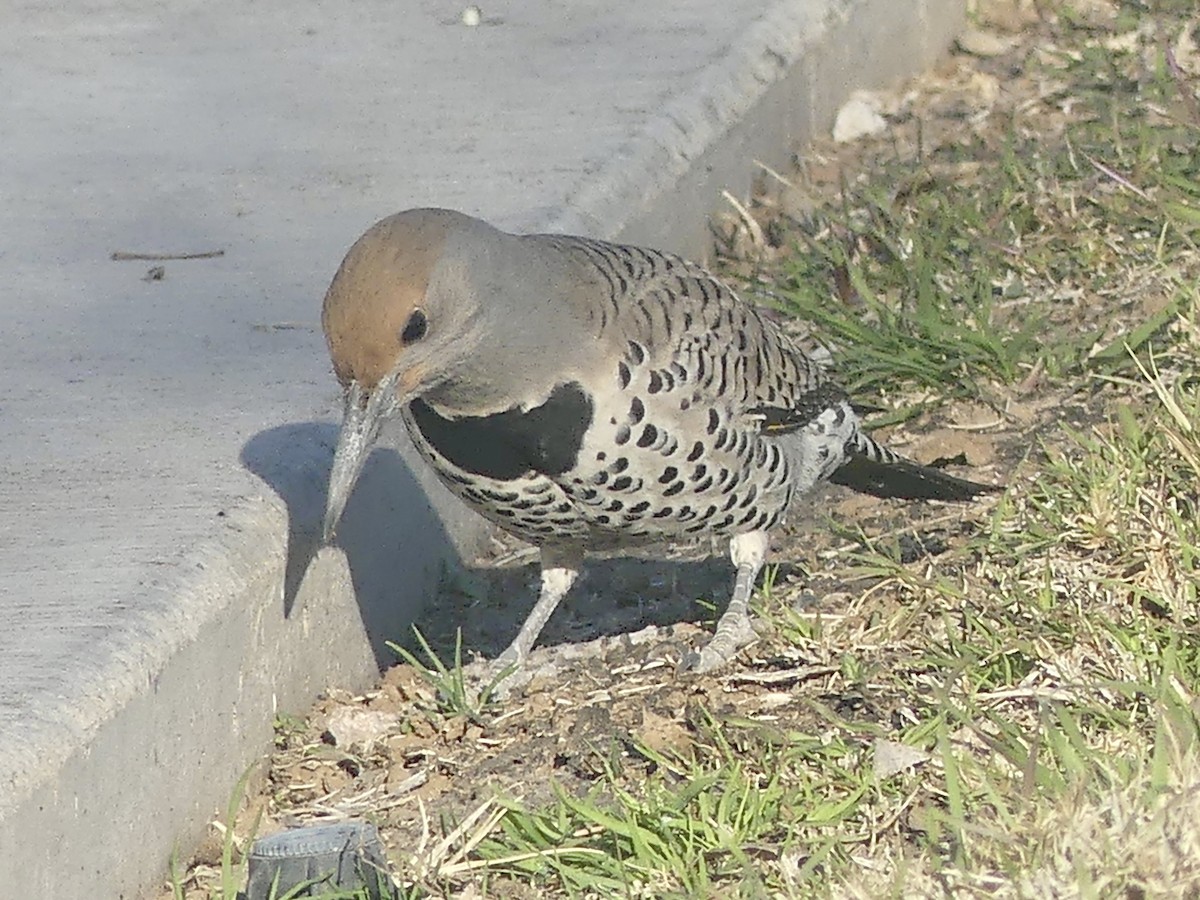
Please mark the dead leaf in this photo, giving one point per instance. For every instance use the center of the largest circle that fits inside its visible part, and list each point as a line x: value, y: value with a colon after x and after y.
x: 891, y: 757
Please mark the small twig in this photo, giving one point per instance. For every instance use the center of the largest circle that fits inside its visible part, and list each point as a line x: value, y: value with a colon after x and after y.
x: 1026, y: 693
x: 773, y: 173
x: 757, y: 238
x: 281, y: 326
x: 1185, y: 91
x: 473, y: 865
x: 787, y: 676
x: 411, y: 783
x: 1117, y: 177
x: 122, y: 256
x: 977, y: 426
x: 638, y: 667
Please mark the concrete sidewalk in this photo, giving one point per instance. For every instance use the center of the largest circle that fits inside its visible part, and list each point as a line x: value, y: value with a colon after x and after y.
x: 165, y: 436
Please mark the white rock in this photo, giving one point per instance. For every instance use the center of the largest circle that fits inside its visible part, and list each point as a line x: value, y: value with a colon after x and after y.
x: 984, y: 44
x: 859, y: 117
x: 348, y: 725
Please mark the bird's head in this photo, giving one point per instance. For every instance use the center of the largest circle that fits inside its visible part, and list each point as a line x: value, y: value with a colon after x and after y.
x: 396, y: 326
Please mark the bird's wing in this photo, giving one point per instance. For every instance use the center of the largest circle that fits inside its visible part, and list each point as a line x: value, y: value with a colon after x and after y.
x: 693, y: 331
x: 661, y: 310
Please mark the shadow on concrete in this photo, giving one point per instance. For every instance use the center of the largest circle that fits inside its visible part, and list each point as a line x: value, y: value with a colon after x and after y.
x: 395, y: 544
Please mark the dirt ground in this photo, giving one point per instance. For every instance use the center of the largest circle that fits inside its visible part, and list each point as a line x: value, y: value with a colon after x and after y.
x: 604, y: 679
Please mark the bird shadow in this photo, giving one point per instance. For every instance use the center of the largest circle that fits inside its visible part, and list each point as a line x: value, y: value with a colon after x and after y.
x: 406, y: 572
x: 615, y: 595
x: 396, y: 546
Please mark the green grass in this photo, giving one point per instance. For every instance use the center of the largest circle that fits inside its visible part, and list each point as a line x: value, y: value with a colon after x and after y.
x: 955, y: 270
x: 1041, y: 687
x: 456, y: 694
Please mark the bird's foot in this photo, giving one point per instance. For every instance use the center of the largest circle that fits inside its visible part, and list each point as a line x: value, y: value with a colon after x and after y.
x: 733, y: 628
x: 509, y: 671
x: 730, y: 637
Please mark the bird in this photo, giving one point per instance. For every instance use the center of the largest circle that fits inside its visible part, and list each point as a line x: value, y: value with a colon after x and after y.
x: 589, y: 396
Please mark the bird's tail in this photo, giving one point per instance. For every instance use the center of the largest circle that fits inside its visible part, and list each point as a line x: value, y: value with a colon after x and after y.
x: 871, y: 468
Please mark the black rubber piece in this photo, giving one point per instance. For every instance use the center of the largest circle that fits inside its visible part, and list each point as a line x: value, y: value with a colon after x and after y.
x: 324, y: 858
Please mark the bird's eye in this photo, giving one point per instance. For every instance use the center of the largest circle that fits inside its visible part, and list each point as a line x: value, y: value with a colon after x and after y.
x: 414, y: 328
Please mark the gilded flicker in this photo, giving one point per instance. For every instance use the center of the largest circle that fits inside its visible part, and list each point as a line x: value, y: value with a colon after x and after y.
x: 585, y: 395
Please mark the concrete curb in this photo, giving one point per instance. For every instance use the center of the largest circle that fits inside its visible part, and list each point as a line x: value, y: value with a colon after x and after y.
x: 779, y: 85
x: 93, y: 803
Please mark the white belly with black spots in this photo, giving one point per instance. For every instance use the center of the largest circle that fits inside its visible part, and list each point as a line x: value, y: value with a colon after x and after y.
x: 530, y: 505
x: 631, y: 474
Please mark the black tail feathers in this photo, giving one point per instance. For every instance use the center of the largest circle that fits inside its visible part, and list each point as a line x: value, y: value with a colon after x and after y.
x: 899, y: 478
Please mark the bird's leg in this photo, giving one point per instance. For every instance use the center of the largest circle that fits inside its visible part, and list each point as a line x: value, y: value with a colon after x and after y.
x: 559, y: 571
x: 748, y: 552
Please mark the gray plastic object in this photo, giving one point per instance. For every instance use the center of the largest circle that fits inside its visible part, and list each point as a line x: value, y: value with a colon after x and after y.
x: 328, y: 858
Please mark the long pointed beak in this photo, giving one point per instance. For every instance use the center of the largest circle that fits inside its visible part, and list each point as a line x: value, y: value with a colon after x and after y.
x: 360, y: 426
